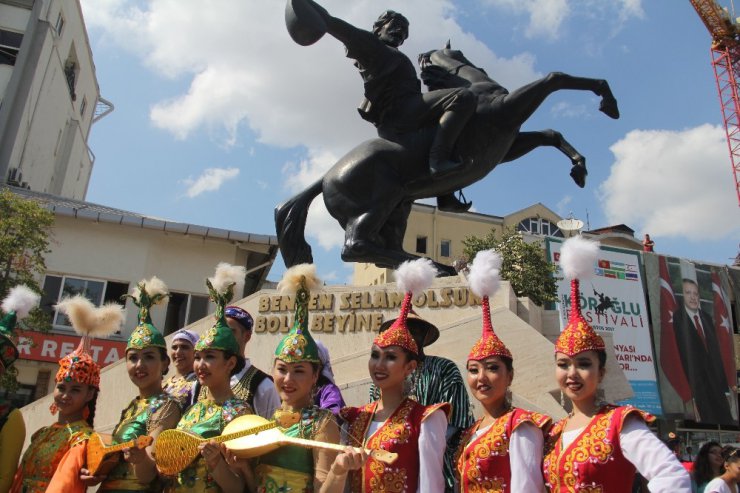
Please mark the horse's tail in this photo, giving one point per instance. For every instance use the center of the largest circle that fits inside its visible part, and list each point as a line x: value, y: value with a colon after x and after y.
x: 290, y: 224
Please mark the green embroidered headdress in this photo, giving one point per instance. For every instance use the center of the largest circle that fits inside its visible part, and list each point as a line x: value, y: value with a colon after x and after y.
x: 145, y: 295
x: 298, y: 345
x: 229, y: 279
x: 16, y: 305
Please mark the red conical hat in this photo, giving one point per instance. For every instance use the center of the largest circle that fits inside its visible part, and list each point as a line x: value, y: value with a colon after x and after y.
x: 484, y: 281
x: 412, y: 277
x: 577, y: 259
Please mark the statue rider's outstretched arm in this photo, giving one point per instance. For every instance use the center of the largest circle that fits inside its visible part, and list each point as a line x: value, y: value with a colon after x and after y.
x: 341, y: 30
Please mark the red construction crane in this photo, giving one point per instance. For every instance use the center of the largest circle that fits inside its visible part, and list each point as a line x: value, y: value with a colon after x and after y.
x: 725, y: 54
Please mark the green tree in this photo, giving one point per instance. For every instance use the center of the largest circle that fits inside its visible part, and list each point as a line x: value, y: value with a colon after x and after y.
x: 523, y: 264
x: 25, y: 227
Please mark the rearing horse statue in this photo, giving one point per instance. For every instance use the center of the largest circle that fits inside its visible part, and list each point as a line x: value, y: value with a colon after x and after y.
x: 370, y: 190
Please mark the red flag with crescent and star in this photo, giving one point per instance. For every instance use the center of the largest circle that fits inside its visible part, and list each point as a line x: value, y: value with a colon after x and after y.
x: 670, y: 358
x: 724, y: 329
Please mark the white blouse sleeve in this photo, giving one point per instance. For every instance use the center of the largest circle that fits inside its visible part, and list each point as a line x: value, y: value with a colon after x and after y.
x: 432, y: 445
x: 652, y: 458
x: 266, y: 399
x: 525, y: 457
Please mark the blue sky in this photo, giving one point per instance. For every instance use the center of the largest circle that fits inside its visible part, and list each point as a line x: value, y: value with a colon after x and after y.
x: 219, y: 116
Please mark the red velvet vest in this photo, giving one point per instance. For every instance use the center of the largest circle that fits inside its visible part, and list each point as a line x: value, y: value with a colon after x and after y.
x: 400, y: 434
x: 483, y: 462
x: 593, y: 462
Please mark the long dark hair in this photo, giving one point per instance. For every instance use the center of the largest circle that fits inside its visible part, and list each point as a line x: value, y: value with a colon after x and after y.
x: 91, y: 405
x: 702, y: 468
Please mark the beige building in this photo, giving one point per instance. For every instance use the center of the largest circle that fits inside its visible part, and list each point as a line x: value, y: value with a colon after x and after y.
x: 103, y: 252
x: 49, y: 97
x: 439, y: 235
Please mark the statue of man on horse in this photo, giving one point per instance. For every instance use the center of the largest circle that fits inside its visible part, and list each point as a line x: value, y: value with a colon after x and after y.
x: 429, y: 143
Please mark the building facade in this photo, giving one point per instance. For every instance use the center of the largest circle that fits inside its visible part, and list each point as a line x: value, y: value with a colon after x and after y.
x: 49, y: 97
x: 102, y: 252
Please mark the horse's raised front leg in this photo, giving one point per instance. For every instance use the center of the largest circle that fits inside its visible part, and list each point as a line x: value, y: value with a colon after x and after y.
x: 521, y: 103
x: 527, y: 141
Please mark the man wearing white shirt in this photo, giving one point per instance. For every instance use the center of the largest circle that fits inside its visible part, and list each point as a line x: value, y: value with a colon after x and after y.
x: 700, y: 357
x: 251, y: 384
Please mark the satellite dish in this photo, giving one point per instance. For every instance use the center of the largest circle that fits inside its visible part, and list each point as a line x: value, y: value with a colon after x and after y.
x: 569, y: 225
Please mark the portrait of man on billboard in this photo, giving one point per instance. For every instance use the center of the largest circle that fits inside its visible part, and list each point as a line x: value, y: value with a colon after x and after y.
x: 696, y: 354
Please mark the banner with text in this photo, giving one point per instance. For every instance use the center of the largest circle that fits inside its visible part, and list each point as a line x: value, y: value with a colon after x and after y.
x: 39, y: 346
x: 613, y: 301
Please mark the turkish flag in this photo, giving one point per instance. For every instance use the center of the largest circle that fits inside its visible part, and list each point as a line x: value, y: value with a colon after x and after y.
x: 670, y: 358
x: 724, y: 330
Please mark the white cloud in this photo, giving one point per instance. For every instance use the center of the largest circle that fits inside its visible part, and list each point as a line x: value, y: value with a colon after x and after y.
x: 568, y: 110
x: 673, y: 184
x: 210, y: 181
x: 242, y: 69
x: 560, y: 207
x: 546, y: 18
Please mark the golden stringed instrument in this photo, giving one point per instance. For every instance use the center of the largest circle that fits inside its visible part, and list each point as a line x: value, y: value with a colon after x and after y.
x: 256, y: 444
x: 100, y: 458
x: 174, y: 450
x: 246, y: 436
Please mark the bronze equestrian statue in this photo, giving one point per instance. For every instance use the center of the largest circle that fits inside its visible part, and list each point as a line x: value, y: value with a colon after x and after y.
x: 429, y: 144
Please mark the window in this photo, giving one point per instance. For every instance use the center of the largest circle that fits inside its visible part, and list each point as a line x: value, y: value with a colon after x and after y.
x: 421, y: 244
x: 59, y: 26
x: 10, y: 45
x: 23, y: 395
x: 184, y: 309
x: 83, y: 106
x: 58, y: 287
x: 445, y: 247
x: 539, y: 226
x: 71, y: 72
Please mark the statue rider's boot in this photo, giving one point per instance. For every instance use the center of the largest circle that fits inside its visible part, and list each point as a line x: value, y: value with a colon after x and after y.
x: 450, y: 203
x: 450, y: 126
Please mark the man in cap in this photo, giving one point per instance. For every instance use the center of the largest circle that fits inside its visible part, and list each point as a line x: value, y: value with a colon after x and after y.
x: 437, y: 380
x: 182, y: 352
x: 251, y: 384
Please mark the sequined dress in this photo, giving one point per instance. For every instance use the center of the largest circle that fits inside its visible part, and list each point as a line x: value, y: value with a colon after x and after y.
x: 136, y: 420
x: 206, y: 419
x: 181, y: 388
x: 47, y: 449
x: 291, y: 468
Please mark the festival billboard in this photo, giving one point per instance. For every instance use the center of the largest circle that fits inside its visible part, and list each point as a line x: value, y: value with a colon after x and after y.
x: 693, y: 335
x: 613, y: 302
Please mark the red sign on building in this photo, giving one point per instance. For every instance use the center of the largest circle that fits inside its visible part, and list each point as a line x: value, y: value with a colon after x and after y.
x: 38, y: 346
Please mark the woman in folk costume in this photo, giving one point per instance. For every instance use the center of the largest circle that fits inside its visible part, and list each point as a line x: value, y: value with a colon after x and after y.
x: 153, y: 410
x: 395, y: 422
x: 16, y: 305
x: 216, y: 359
x: 599, y: 447
x: 295, y: 372
x: 502, y: 451
x: 57, y: 453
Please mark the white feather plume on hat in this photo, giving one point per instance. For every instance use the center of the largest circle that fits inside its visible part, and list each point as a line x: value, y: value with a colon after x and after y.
x: 484, y: 273
x: 291, y: 281
x: 578, y: 256
x: 227, y: 275
x: 414, y: 276
x: 89, y: 320
x: 21, y: 300
x: 155, y: 288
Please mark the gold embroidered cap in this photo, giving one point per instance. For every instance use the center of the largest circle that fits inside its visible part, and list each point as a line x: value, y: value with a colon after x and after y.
x: 484, y: 280
x: 145, y: 295
x: 412, y: 277
x: 577, y: 259
x: 299, y: 345
x: 228, y: 280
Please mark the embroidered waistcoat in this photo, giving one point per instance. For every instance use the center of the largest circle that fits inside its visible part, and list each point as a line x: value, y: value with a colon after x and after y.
x: 483, y: 463
x: 135, y: 421
x: 206, y: 419
x: 593, y: 462
x: 400, y: 434
x: 47, y: 448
